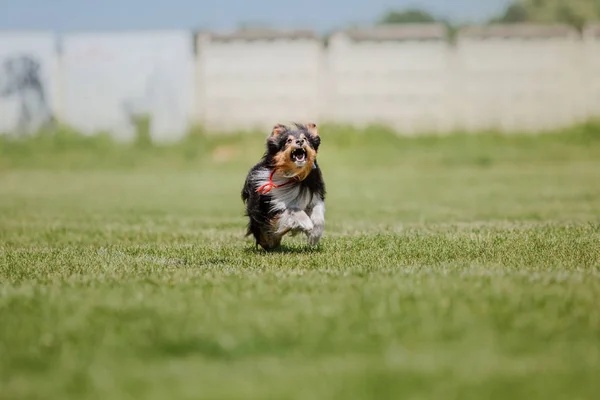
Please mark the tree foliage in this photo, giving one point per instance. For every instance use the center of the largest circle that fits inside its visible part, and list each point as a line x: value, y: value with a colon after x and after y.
x: 573, y: 12
x: 411, y: 16
x: 514, y: 13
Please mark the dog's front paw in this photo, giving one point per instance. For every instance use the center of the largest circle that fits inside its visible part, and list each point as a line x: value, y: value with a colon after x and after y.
x: 294, y: 221
x: 304, y: 222
x: 317, y: 216
x: 314, y: 236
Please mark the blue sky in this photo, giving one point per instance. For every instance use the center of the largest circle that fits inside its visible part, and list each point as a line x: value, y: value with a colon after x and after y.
x: 321, y: 15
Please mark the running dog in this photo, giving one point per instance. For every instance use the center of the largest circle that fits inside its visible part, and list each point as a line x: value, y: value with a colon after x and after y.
x: 285, y: 192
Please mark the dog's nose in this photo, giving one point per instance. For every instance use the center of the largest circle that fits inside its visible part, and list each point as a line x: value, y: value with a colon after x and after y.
x: 300, y: 142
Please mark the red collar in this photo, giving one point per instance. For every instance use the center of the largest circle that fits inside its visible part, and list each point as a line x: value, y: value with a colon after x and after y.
x: 266, y: 188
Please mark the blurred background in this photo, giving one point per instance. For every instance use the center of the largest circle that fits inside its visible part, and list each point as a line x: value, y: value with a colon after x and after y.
x: 421, y: 66
x: 460, y: 256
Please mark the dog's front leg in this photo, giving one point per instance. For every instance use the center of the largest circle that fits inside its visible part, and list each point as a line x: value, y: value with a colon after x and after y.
x: 317, y: 216
x: 294, y: 220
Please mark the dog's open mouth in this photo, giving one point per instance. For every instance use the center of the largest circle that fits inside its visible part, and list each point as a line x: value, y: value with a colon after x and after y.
x: 299, y: 155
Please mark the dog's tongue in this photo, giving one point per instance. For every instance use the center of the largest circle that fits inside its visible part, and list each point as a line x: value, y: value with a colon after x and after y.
x: 300, y: 157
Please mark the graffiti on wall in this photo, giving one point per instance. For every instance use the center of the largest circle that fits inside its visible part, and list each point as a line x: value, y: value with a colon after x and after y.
x: 21, y: 83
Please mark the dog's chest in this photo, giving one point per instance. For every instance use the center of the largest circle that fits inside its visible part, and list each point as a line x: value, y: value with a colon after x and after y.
x: 290, y: 197
x: 285, y: 195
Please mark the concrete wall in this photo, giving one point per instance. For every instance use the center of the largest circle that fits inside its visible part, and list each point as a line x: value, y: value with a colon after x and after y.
x: 513, y: 78
x: 401, y: 78
x: 591, y: 69
x: 109, y: 79
x: 247, y: 81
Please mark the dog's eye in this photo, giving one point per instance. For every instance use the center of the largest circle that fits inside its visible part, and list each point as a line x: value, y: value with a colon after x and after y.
x: 289, y: 140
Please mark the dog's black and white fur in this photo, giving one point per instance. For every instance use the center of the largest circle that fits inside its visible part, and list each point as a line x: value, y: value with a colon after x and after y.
x: 285, y: 192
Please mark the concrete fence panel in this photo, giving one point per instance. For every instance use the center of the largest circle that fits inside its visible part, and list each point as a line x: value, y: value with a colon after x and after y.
x: 254, y: 79
x: 591, y: 70
x: 110, y: 79
x: 519, y: 77
x: 399, y: 76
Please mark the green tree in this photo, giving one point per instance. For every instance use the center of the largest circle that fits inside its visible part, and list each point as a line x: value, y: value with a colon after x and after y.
x: 514, y: 13
x: 573, y: 12
x: 411, y: 16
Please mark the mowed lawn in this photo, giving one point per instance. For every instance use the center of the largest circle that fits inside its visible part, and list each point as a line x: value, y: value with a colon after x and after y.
x: 462, y: 267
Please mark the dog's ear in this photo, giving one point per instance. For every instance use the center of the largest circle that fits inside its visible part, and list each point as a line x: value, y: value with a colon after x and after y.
x: 314, y: 137
x: 312, y: 128
x: 277, y: 130
x: 273, y: 139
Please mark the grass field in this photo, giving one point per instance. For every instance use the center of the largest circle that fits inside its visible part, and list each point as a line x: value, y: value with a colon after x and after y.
x: 460, y: 267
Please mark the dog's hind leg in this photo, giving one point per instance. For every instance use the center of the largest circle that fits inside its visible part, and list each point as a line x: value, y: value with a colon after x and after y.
x: 268, y: 240
x: 264, y: 235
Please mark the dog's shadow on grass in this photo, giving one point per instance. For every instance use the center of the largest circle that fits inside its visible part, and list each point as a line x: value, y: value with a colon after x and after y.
x: 285, y: 249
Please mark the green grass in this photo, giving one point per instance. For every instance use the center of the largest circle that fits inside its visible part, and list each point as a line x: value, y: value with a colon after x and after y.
x: 458, y: 267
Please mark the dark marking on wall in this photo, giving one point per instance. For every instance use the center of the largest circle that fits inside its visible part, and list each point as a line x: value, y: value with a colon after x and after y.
x: 21, y: 81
